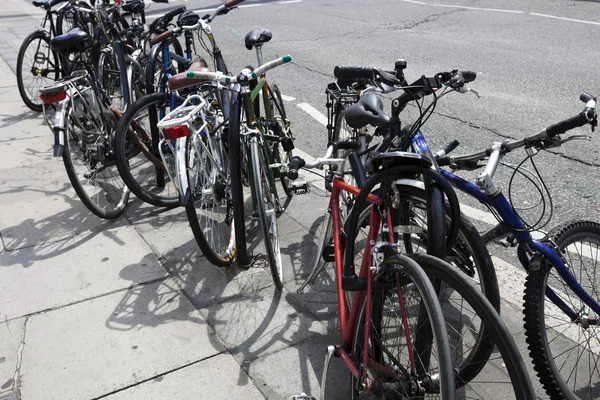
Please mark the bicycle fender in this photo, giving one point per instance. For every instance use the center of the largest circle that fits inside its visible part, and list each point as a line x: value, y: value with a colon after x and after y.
x: 59, y: 141
x: 181, y: 172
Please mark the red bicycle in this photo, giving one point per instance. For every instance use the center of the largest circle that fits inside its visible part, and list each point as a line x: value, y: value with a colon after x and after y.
x: 394, y: 333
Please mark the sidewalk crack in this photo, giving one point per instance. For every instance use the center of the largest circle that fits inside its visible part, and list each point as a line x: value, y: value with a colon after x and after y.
x: 15, y: 386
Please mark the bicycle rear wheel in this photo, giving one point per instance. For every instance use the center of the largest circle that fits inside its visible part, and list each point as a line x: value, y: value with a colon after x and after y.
x: 267, y: 211
x: 566, y: 351
x: 282, y: 148
x: 209, y: 209
x: 91, y: 168
x: 404, y: 309
x: 137, y: 156
x: 37, y: 66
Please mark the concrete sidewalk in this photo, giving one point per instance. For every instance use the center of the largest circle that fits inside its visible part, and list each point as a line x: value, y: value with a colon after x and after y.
x: 130, y: 309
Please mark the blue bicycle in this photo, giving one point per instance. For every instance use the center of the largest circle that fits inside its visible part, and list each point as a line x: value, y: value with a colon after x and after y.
x: 561, y: 306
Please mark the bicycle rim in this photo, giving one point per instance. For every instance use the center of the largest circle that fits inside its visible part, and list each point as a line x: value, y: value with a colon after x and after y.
x: 404, y: 310
x: 209, y: 209
x: 91, y: 168
x: 566, y: 352
x: 267, y: 212
x: 37, y: 66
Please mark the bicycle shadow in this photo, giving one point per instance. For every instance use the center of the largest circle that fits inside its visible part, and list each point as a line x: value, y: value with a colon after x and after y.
x: 8, y: 120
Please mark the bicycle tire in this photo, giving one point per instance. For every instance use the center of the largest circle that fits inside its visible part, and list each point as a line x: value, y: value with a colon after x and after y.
x: 110, y: 78
x: 235, y: 170
x: 286, y: 138
x: 210, y: 191
x: 267, y: 211
x: 394, y: 271
x: 107, y: 174
x: 514, y: 364
x: 151, y: 183
x: 544, y: 353
x: 469, y: 254
x: 50, y: 67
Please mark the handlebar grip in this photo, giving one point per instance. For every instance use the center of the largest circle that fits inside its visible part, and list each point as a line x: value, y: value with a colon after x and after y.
x: 270, y: 65
x: 233, y: 3
x: 293, y: 166
x: 568, y: 124
x: 52, y: 3
x: 159, y: 38
x: 469, y: 76
x: 585, y: 97
x: 451, y: 146
x: 179, y: 10
x: 160, y: 1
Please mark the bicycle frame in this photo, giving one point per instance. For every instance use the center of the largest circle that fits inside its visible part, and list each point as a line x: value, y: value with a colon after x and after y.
x: 514, y: 224
x: 349, y: 316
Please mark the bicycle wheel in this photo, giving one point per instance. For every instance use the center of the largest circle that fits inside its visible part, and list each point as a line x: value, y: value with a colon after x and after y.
x: 137, y: 156
x: 404, y: 310
x: 37, y: 66
x: 209, y: 209
x: 91, y: 167
x: 110, y: 78
x: 469, y: 254
x: 282, y: 148
x: 566, y: 351
x: 505, y: 376
x: 235, y: 172
x: 267, y: 211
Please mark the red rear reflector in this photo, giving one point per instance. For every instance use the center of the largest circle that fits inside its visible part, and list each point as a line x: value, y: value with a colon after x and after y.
x: 176, y: 132
x: 53, y: 98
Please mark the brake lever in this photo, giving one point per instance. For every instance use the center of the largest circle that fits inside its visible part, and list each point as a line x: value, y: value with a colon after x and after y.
x: 465, y: 89
x: 577, y: 137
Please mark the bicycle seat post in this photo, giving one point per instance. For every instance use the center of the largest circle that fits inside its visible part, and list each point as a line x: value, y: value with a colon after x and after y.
x: 259, y: 56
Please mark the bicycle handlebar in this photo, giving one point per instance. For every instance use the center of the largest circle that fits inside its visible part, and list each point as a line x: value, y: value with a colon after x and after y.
x: 587, y: 116
x: 242, y: 77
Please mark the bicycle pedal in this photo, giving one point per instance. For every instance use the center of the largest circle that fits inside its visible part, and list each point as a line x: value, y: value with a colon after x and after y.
x: 302, y: 396
x: 328, y: 253
x: 300, y: 187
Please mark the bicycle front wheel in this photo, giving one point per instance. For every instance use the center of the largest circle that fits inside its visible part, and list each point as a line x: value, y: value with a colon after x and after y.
x: 566, y: 351
x: 37, y: 66
x: 209, y: 209
x: 282, y: 149
x: 266, y: 206
x: 404, y: 309
x: 91, y: 168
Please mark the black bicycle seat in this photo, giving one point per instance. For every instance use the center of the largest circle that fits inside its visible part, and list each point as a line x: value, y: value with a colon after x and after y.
x: 188, y: 18
x: 257, y: 37
x: 367, y: 111
x: 75, y: 39
x: 134, y: 7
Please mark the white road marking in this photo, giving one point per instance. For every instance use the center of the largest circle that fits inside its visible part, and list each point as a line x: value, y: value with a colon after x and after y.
x: 290, y: 1
x: 287, y: 98
x: 581, y: 21
x: 250, y: 5
x: 313, y: 112
x: 565, y: 19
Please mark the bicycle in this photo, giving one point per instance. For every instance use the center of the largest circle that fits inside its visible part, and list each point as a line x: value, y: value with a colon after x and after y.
x: 364, y: 350
x: 37, y: 64
x: 249, y: 140
x: 545, y: 261
x: 145, y: 173
x: 83, y: 126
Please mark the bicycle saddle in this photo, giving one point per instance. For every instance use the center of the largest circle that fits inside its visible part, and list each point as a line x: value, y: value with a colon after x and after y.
x: 75, y: 39
x: 188, y: 18
x: 180, y: 80
x: 257, y: 37
x: 133, y: 7
x: 367, y: 111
